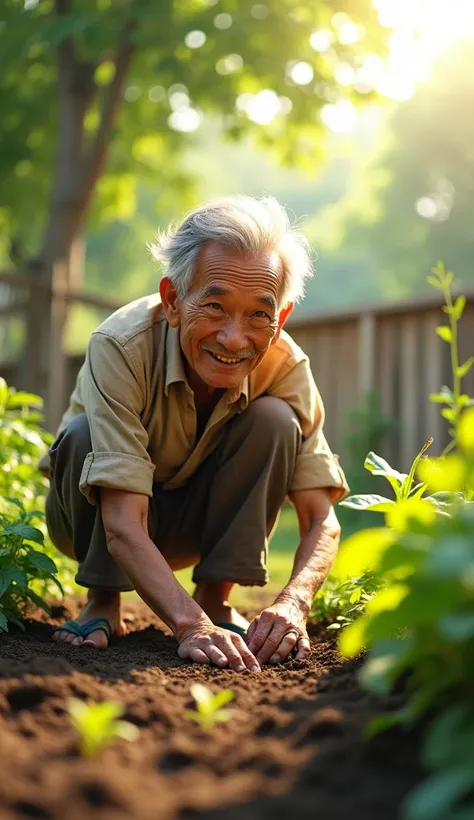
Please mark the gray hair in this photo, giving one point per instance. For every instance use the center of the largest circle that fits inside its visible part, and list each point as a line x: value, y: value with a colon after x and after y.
x: 244, y: 224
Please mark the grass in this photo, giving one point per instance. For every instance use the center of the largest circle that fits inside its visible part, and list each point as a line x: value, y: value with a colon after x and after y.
x: 280, y: 561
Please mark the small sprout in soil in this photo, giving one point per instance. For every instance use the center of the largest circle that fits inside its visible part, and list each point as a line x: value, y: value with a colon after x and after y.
x: 98, y: 724
x: 209, y: 707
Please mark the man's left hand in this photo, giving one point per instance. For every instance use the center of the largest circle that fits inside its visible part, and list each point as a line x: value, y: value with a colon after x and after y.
x: 276, y: 631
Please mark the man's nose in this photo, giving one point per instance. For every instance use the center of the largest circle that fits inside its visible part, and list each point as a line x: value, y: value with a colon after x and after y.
x: 232, y: 337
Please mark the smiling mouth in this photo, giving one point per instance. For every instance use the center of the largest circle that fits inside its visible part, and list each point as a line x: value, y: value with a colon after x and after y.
x: 225, y: 359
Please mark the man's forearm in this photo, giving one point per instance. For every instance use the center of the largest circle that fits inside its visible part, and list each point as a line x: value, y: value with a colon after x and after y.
x: 153, y: 579
x: 313, y: 560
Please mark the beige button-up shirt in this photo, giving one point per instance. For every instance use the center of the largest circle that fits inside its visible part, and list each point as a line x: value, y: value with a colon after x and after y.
x: 141, y: 412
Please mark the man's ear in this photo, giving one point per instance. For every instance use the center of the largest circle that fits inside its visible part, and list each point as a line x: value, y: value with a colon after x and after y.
x: 282, y: 319
x: 169, y: 300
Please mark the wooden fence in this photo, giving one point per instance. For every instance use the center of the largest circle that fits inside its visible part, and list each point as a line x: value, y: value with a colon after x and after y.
x: 392, y: 349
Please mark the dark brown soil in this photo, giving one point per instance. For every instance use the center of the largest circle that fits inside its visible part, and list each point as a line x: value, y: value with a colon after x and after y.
x: 295, y: 747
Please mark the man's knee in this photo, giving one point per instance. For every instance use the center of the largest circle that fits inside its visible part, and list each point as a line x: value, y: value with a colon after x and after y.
x: 74, y: 441
x: 273, y: 417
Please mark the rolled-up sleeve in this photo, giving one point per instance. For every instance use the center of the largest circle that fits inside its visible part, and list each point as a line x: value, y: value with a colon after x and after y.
x: 113, y: 401
x: 316, y: 466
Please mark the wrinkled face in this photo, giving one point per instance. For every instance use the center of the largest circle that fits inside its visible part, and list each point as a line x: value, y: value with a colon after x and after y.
x: 230, y: 316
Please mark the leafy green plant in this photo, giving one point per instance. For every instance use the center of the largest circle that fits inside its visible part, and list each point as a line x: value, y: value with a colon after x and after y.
x: 454, y: 399
x: 404, y: 486
x: 22, y: 499
x: 98, y: 724
x: 21, y: 564
x: 422, y: 623
x: 210, y: 708
x: 366, y: 428
x: 421, y: 620
x: 338, y: 603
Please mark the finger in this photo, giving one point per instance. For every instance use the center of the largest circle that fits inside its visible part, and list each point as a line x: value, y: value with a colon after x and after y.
x: 217, y: 656
x: 261, y: 634
x: 285, y: 647
x: 304, y: 648
x: 272, y: 642
x: 231, y: 653
x: 249, y: 659
x: 198, y: 656
x: 251, y: 630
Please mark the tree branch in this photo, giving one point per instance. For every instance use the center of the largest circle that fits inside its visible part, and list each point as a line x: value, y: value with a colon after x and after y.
x: 96, y: 155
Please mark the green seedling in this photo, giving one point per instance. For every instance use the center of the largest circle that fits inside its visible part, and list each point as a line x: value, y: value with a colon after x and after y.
x: 454, y: 398
x: 210, y: 708
x: 98, y: 724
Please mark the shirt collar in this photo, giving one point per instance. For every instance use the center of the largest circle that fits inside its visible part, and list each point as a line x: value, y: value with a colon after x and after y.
x: 175, y: 370
x: 174, y: 359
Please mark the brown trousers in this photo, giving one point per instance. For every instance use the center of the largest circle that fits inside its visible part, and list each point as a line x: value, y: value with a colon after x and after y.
x: 219, y: 521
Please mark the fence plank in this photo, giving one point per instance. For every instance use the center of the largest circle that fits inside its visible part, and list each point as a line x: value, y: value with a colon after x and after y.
x: 409, y: 440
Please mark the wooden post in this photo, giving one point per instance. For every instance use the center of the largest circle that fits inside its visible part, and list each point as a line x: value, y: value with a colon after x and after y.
x: 56, y: 378
x: 410, y: 443
x: 366, y: 354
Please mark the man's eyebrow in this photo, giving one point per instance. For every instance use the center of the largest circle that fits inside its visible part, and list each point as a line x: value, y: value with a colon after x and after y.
x: 267, y: 300
x: 214, y: 290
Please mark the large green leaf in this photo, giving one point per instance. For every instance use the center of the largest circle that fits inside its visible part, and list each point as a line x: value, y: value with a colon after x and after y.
x: 7, y: 575
x: 42, y: 561
x: 25, y: 531
x: 457, y: 628
x: 437, y: 795
x: 21, y: 399
x: 37, y: 600
x: 378, y: 466
x: 3, y: 622
x: 363, y: 551
x: 374, y: 503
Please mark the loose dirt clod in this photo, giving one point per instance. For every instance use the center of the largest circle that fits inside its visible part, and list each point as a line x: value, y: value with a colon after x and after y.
x: 295, y: 746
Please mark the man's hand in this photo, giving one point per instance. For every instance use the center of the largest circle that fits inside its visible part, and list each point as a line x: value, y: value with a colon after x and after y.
x: 277, y: 630
x: 206, y: 643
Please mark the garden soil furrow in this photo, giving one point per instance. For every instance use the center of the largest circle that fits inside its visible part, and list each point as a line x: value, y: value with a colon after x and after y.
x: 295, y: 746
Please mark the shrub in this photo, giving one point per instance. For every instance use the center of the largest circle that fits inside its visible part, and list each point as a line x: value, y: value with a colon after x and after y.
x: 338, y: 603
x: 21, y: 564
x: 26, y: 575
x: 422, y: 623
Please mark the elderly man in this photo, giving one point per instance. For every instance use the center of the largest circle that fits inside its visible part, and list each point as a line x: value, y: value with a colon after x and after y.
x: 193, y: 418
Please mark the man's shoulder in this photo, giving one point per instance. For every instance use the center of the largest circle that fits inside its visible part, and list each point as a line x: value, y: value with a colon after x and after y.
x: 133, y: 320
x: 282, y: 358
x: 286, y: 350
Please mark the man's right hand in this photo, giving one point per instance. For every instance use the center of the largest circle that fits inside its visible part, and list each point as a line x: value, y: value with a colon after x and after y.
x: 207, y: 643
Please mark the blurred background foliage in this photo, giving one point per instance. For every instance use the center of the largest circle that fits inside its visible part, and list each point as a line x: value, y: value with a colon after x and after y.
x: 225, y: 97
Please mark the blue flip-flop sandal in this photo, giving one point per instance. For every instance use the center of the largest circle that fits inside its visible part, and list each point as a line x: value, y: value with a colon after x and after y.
x: 234, y: 628
x: 86, y: 629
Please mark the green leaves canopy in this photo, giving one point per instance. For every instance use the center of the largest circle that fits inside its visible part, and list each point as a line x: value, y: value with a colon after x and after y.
x: 267, y: 39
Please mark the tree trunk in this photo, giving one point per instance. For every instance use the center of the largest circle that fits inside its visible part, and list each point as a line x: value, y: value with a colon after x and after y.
x: 79, y: 163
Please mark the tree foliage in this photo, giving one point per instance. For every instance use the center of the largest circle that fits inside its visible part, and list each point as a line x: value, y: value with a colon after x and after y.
x: 410, y: 203
x: 85, y: 88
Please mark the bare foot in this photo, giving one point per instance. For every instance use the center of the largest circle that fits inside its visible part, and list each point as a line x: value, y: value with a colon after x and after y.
x: 100, y: 604
x: 212, y: 598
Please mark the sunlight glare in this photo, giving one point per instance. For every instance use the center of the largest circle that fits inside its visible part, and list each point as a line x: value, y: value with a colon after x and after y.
x: 263, y: 107
x: 423, y: 29
x: 340, y: 117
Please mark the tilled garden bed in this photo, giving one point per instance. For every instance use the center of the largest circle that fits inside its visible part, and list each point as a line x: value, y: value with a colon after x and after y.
x: 295, y: 747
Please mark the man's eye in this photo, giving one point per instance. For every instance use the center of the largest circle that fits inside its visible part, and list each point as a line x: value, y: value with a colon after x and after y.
x: 214, y: 305
x: 262, y: 314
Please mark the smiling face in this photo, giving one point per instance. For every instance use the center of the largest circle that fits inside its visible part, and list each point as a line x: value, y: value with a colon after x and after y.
x: 230, y: 316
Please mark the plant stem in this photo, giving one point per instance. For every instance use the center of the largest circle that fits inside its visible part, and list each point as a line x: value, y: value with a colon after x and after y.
x: 453, y: 347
